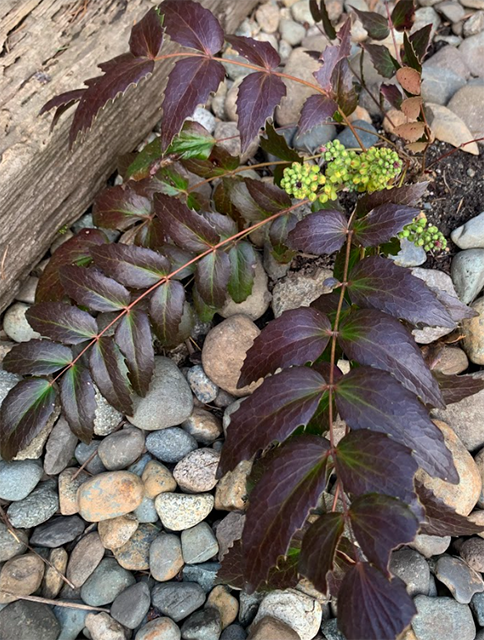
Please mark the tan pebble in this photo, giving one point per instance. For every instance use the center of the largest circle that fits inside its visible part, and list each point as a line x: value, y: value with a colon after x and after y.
x: 203, y: 426
x: 109, y: 495
x: 85, y: 557
x: 102, y: 627
x: 68, y: 490
x: 226, y: 604
x: 159, y: 629
x: 231, y: 492
x: 451, y: 360
x: 157, y: 479
x: 20, y: 576
x: 53, y: 581
x: 477, y: 517
x: 474, y: 333
x: 134, y: 555
x: 269, y: 628
x: 117, y: 531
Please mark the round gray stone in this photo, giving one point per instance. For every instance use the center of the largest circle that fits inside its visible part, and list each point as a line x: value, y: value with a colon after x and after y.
x: 120, y: 449
x: 84, y: 451
x: 166, y: 558
x: 159, y: 629
x: 199, y: 544
x: 106, y: 583
x: 471, y: 234
x: 460, y: 579
x: 168, y: 402
x: 131, y: 606
x: 367, y: 137
x: 72, y: 622
x: 177, y: 599
x: 409, y: 255
x: 204, y: 389
x: 146, y: 512
x: 413, y: 569
x: 18, y: 478
x: 315, y: 138
x: 36, y: 508
x: 15, y: 323
x: 58, y: 531
x: 202, y: 625
x: 22, y: 620
x: 439, y: 618
x: 9, y: 546
x: 439, y: 85
x: 234, y: 632
x: 467, y: 272
x: 60, y: 448
x: 203, y: 574
x: 170, y: 445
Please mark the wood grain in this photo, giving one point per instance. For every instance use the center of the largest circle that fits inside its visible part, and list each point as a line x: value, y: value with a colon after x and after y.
x: 47, y: 47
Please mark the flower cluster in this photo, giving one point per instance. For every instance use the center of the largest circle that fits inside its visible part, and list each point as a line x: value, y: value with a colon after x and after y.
x: 428, y: 237
x: 306, y: 181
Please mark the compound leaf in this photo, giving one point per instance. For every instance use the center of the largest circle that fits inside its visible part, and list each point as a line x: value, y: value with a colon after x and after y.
x: 242, y: 271
x: 212, y: 277
x: 166, y: 310
x: 319, y: 548
x: 62, y: 322
x: 191, y: 25
x: 316, y: 110
x: 259, y: 53
x: 298, y: 336
x: 131, y: 266
x: 371, y: 399
x: 133, y: 336
x: 24, y: 413
x: 93, y: 290
x: 147, y: 36
x: 188, y: 229
x: 78, y: 401
x: 120, y: 207
x: 383, y: 223
x: 110, y: 374
x: 378, y: 340
x: 281, y: 404
x: 319, y: 233
x: 280, y: 503
x: 37, y: 357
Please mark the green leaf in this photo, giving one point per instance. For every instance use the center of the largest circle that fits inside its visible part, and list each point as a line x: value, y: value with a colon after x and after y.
x: 37, y: 357
x: 242, y: 270
x: 167, y: 305
x: 375, y: 24
x: 148, y: 158
x: 78, y: 401
x: 275, y: 144
x: 193, y: 141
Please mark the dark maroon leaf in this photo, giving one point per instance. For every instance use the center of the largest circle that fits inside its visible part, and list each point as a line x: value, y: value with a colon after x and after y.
x: 111, y: 374
x: 320, y: 14
x: 232, y: 570
x: 281, y: 502
x: 189, y: 84
x: 319, y: 233
x: 24, y: 413
x: 371, y: 399
x: 343, y: 560
x: 120, y: 207
x: 285, y: 574
x: 242, y: 270
x: 380, y: 524
x: 378, y: 283
x: 133, y: 336
x: 37, y: 357
x: 403, y: 15
x: 166, y: 310
x: 278, y: 233
x: 316, y: 110
x: 392, y: 95
x: 407, y: 195
x: 132, y: 266
x: 119, y: 74
x: 370, y: 606
x: 93, y: 290
x: 218, y: 163
x: 269, y: 198
x: 262, y: 54
x: 76, y: 250
x: 455, y: 308
x: 212, y: 277
x: 383, y: 223
x: 456, y: 388
x: 378, y: 340
x: 259, y: 94
x: 62, y: 322
x: 343, y: 87
x: 298, y: 336
x: 179, y: 260
x: 150, y: 235
x: 334, y: 54
x: 319, y: 548
x: 420, y: 41
x: 147, y: 36
x: 375, y: 24
x: 78, y: 401
x: 62, y: 102
x: 442, y: 520
x: 382, y: 59
x: 191, y: 25
x: 280, y: 405
x: 186, y: 228
x: 276, y: 144
x: 368, y: 461
x: 328, y: 303
x: 410, y: 58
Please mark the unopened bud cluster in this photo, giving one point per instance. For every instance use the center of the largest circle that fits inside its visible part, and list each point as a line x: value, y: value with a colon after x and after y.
x: 424, y: 235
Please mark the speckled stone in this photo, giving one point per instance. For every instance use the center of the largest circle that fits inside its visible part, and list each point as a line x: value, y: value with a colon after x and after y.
x: 170, y: 445
x: 199, y: 544
x: 109, y: 495
x: 146, y: 511
x: 157, y: 479
x: 159, y: 629
x: 204, y: 574
x: 68, y: 486
x: 459, y: 578
x: 204, y: 426
x: 101, y: 626
x: 181, y: 511
x: 10, y: 545
x: 269, y: 627
x: 57, y: 531
x: 196, y: 472
x: 296, y: 609
x: 36, y: 508
x: 85, y: 557
x: 134, y: 555
x: 440, y: 618
x: 18, y: 479
x: 177, y: 599
x: 122, y: 448
x: 108, y: 580
x: 166, y: 558
x: 231, y: 493
x: 28, y: 621
x: 201, y: 385
x: 226, y: 604
x: 72, y: 622
x: 53, y: 582
x: 413, y: 569
x: 117, y: 531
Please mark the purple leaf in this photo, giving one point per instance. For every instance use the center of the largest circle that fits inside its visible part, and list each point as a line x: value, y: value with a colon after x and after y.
x: 378, y: 283
x: 319, y: 233
x: 281, y: 404
x: 120, y: 207
x: 178, y: 259
x: 268, y: 197
x: 276, y: 144
x: 110, y: 374
x: 37, y: 357
x: 420, y: 41
x: 93, y: 290
x: 407, y: 195
x: 375, y: 24
x: 150, y: 235
x: 298, y: 336
x: 131, y: 266
x: 212, y: 277
x: 442, y: 520
x: 166, y: 310
x: 383, y: 223
x: 392, y: 95
x: 403, y: 15
x: 189, y: 84
x: 147, y: 36
x: 368, y: 462
x: 62, y: 102
x: 332, y: 55
x: 316, y: 110
x: 382, y: 59
x: 119, y: 74
x: 76, y: 250
x: 380, y: 524
x: 78, y: 401
x: 24, y: 413
x: 259, y: 94
x: 378, y: 340
x: 261, y: 54
x: 370, y: 606
x: 320, y: 14
x: 186, y: 228
x: 455, y: 308
x: 242, y: 270
x: 280, y: 503
x: 191, y: 25
x: 133, y: 336
x: 456, y: 388
x: 371, y: 399
x: 62, y: 322
x: 343, y: 88
x: 319, y: 548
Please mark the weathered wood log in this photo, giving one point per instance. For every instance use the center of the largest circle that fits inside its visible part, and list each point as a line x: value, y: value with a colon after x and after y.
x: 47, y: 47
